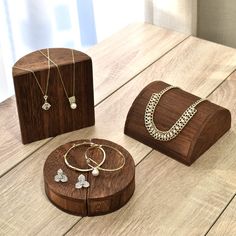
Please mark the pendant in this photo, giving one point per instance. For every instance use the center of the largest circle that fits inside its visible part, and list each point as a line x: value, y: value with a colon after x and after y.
x: 46, y: 106
x: 95, y: 172
x: 72, y: 102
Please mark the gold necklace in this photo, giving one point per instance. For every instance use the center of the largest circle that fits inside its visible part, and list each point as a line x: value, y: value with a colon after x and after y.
x: 167, y: 135
x: 46, y: 105
x: 72, y: 99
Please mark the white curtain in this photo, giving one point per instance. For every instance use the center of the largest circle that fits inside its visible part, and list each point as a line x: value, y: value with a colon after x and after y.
x: 4, y: 86
x: 6, y: 55
x: 28, y: 25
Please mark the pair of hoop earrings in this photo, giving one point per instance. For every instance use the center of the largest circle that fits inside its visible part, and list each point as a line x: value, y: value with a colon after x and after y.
x: 93, y: 166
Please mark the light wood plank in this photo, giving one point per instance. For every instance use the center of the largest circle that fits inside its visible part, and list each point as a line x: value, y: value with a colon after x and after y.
x: 22, y: 189
x: 226, y: 224
x: 12, y: 151
x: 115, y: 61
x: 172, y: 199
x: 118, y: 59
x: 29, y: 197
x: 199, y: 65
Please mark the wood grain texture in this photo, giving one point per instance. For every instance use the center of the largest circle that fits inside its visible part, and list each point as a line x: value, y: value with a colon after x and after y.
x: 208, y: 124
x: 199, y: 64
x: 172, y: 199
x: 31, y: 173
x: 110, y: 120
x: 118, y: 59
x: 25, y: 209
x: 105, y: 59
x: 226, y: 224
x: 107, y: 192
x: 35, y: 122
x: 12, y: 151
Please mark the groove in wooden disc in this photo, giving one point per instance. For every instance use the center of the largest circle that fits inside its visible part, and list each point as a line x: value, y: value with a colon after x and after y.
x: 107, y: 192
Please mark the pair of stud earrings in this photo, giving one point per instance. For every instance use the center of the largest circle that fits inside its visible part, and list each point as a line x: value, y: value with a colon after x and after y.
x: 81, y: 182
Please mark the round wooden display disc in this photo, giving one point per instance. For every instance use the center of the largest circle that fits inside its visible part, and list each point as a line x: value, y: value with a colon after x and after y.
x: 107, y: 192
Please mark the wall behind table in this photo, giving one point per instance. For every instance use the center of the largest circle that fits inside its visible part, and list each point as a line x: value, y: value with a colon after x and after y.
x: 217, y: 21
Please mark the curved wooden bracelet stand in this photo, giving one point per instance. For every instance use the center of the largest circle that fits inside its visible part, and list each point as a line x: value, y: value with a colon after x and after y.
x: 203, y: 130
x: 107, y: 192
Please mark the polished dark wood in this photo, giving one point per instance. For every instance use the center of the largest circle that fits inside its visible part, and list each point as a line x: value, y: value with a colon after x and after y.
x: 36, y: 123
x: 107, y: 192
x: 203, y: 130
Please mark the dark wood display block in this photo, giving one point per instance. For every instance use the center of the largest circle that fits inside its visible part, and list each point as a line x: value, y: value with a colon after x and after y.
x: 202, y: 131
x: 107, y: 192
x: 36, y: 123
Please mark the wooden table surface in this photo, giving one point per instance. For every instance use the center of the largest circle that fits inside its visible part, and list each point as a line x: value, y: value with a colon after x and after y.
x: 170, y: 198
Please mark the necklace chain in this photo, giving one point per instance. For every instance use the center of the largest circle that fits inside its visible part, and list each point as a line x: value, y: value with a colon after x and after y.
x: 72, y: 99
x: 179, y: 124
x: 46, y: 106
x: 59, y: 72
x: 36, y: 79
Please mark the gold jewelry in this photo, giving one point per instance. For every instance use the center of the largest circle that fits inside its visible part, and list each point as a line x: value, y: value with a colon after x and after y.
x: 179, y: 124
x: 89, y: 159
x: 94, y: 170
x: 72, y: 99
x: 46, y: 106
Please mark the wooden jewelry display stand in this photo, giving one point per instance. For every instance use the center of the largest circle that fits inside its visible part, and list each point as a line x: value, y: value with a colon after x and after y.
x: 107, y: 192
x: 201, y: 132
x: 36, y: 123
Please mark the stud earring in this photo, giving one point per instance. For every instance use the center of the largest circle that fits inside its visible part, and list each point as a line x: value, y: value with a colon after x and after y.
x: 82, y: 183
x: 60, y: 177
